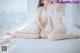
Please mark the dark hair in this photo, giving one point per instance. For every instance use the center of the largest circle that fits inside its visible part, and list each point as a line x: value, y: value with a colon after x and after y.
x: 40, y: 4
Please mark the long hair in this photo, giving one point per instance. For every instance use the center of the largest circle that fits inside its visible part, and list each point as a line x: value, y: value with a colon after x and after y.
x: 40, y: 4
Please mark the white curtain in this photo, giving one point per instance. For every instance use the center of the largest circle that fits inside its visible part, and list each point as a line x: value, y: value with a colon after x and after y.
x: 72, y: 18
x: 13, y: 13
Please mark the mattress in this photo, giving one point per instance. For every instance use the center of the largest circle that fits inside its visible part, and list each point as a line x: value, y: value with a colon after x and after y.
x: 45, y: 46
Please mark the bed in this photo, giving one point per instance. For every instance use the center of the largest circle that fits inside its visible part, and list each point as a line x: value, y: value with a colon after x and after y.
x: 22, y: 45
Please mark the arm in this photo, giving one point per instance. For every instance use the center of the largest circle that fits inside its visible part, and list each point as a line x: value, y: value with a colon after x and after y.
x: 39, y: 18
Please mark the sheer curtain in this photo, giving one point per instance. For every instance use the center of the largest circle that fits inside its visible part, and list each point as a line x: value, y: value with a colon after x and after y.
x: 16, y: 14
x: 76, y: 19
x: 72, y: 18
x: 13, y: 14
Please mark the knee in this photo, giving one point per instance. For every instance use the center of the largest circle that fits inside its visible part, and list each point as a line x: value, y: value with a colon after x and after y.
x: 59, y: 30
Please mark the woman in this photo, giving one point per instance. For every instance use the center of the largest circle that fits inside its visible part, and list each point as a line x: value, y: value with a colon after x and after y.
x: 49, y: 23
x: 59, y: 31
x: 50, y: 20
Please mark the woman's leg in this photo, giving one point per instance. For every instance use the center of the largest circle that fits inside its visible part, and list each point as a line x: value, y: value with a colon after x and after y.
x: 59, y: 31
x: 59, y: 36
x: 30, y: 31
x: 42, y: 24
x: 25, y: 35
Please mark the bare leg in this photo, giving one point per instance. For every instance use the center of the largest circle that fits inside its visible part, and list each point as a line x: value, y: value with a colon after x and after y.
x: 24, y: 35
x: 47, y: 29
x: 59, y: 36
x: 30, y: 31
x: 59, y: 31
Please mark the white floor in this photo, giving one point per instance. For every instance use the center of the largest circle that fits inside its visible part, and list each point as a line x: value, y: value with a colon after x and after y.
x: 45, y: 46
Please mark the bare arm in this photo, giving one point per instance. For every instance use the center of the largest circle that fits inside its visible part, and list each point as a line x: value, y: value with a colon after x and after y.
x: 39, y: 17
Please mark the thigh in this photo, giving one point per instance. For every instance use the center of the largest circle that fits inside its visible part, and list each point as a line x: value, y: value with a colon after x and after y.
x: 24, y: 35
x: 60, y: 36
x: 59, y: 30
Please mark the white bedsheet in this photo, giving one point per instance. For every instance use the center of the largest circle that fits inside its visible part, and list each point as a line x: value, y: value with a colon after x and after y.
x: 45, y: 46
